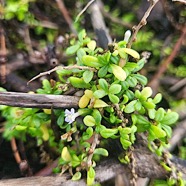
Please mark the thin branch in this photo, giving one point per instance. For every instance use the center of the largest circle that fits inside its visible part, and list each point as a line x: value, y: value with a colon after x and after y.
x: 3, y: 56
x: 142, y: 22
x: 62, y: 68
x: 92, y: 148
x: 38, y: 100
x: 181, y: 1
x: 84, y: 9
x: 65, y: 13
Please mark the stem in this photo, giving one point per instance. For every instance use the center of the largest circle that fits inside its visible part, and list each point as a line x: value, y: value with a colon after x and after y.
x: 91, y: 150
x: 142, y: 22
x: 62, y: 68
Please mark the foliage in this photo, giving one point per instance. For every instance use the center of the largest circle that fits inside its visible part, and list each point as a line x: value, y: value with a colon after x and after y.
x: 116, y: 104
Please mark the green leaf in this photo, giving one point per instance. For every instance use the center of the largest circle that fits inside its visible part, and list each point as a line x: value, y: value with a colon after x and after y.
x: 103, y: 71
x: 132, y: 82
x: 20, y: 127
x: 170, y: 118
x: 140, y: 64
x: 97, y: 116
x: 167, y: 129
x: 103, y: 84
x: 113, y: 98
x: 130, y: 107
x: 101, y: 151
x: 78, y: 82
x: 89, y: 121
x: 87, y: 76
x: 118, y: 72
x: 108, y: 133
x: 146, y: 92
x: 114, y: 59
x: 137, y: 105
x: 46, y: 85
x: 91, y: 61
x: 72, y: 49
x: 131, y: 66
x: 159, y: 115
x: 89, y: 132
x: 130, y: 94
x: 80, y: 54
x: 60, y: 120
x: 157, y: 132
x: 90, y: 176
x: 141, y: 122
x: 157, y: 98
x: 125, y: 143
x: 142, y: 79
x: 115, y: 89
x: 151, y: 113
x: 76, y: 176
x: 82, y: 35
x: 148, y: 105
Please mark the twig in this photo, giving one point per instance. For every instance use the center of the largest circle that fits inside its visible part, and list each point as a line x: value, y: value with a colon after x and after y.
x: 92, y: 148
x: 15, y: 151
x: 62, y: 68
x: 23, y: 164
x: 38, y: 100
x: 65, y: 13
x: 142, y: 22
x: 3, y: 54
x: 84, y: 9
x: 163, y: 67
x: 181, y: 1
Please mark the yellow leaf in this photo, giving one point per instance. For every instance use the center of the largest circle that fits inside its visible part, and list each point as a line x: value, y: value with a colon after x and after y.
x: 89, y: 93
x: 83, y: 102
x: 118, y: 72
x: 99, y: 103
x: 129, y: 51
x: 65, y: 154
x: 44, y: 130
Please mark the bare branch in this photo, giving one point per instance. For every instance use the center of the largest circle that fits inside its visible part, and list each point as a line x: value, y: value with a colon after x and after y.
x: 84, y: 9
x: 181, y: 1
x: 38, y: 100
x: 142, y: 22
x: 62, y: 68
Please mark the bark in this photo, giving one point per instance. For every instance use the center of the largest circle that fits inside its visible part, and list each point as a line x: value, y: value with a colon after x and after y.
x: 38, y: 100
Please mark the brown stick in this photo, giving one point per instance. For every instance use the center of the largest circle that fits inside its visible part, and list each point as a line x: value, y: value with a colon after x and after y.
x: 38, y: 100
x: 142, y: 22
x: 163, y: 67
x: 65, y: 13
x: 3, y: 54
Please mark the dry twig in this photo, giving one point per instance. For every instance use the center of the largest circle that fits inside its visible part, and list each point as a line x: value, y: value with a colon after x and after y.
x: 142, y: 22
x: 65, y: 13
x: 3, y: 54
x: 84, y: 9
x: 62, y: 68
